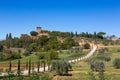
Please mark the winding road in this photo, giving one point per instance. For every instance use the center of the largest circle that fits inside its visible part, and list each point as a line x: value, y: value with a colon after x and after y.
x: 25, y: 72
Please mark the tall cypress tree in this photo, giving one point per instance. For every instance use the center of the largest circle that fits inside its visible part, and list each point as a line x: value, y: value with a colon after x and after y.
x: 44, y: 65
x: 6, y: 36
x: 19, y: 68
x: 10, y: 65
x: 38, y: 65
x: 26, y: 64
x: 29, y: 71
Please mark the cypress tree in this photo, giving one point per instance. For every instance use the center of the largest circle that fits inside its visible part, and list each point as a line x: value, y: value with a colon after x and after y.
x: 6, y: 36
x: 10, y: 65
x: 38, y: 65
x: 29, y: 71
x: 19, y: 68
x: 26, y: 64
x: 32, y: 66
x: 44, y: 65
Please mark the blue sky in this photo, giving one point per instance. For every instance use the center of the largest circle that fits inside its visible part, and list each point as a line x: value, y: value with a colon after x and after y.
x: 22, y: 16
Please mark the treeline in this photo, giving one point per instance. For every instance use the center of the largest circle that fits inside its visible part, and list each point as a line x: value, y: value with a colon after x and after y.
x: 43, y: 43
x: 99, y: 35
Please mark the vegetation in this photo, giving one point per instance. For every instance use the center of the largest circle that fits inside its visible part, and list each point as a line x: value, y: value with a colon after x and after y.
x: 33, y: 33
x: 116, y: 63
x: 87, y: 46
x: 97, y: 66
x: 61, y: 67
x: 32, y: 52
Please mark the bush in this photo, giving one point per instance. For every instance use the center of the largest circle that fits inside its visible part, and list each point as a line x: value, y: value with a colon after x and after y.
x: 87, y: 46
x: 118, y: 50
x: 41, y: 55
x: 16, y: 55
x: 61, y: 67
x: 103, y: 57
x: 27, y: 53
x: 116, y: 63
x: 97, y: 66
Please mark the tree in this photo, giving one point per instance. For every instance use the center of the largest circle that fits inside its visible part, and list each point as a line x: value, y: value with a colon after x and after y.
x: 33, y: 46
x: 42, y: 41
x: 1, y: 48
x: 87, y: 46
x: 97, y: 66
x: 116, y: 63
x: 16, y: 55
x: 33, y: 33
x: 10, y: 36
x: 101, y: 34
x: 53, y: 43
x: 103, y: 57
x: 29, y: 68
x: 7, y: 36
x: 68, y: 43
x: 18, y: 68
x: 61, y: 67
x: 52, y: 55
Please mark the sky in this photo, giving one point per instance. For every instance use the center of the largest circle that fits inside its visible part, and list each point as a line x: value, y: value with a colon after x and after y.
x: 22, y: 16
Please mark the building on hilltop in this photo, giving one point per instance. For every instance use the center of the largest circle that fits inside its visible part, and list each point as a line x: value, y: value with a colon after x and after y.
x: 39, y: 31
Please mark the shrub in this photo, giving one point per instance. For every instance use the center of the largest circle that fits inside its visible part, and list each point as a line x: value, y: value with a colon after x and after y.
x: 41, y: 55
x: 27, y: 52
x: 103, y: 57
x: 61, y: 67
x: 16, y: 55
x: 116, y: 63
x: 97, y: 66
x: 118, y: 50
x: 87, y: 46
x: 92, y: 76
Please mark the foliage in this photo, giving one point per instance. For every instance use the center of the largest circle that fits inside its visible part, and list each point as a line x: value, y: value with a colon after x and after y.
x: 27, y: 53
x: 41, y: 55
x: 118, y: 50
x: 103, y: 57
x: 1, y: 47
x: 51, y: 55
x: 116, y: 63
x: 29, y: 68
x: 33, y: 46
x: 103, y: 50
x: 92, y: 76
x: 97, y: 66
x: 53, y: 43
x: 61, y: 67
x: 42, y: 41
x: 33, y: 33
x: 87, y: 46
x: 16, y: 55
x: 69, y: 42
x: 101, y: 75
x: 7, y: 54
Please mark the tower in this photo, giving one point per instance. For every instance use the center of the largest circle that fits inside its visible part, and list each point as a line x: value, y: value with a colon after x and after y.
x: 39, y: 30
